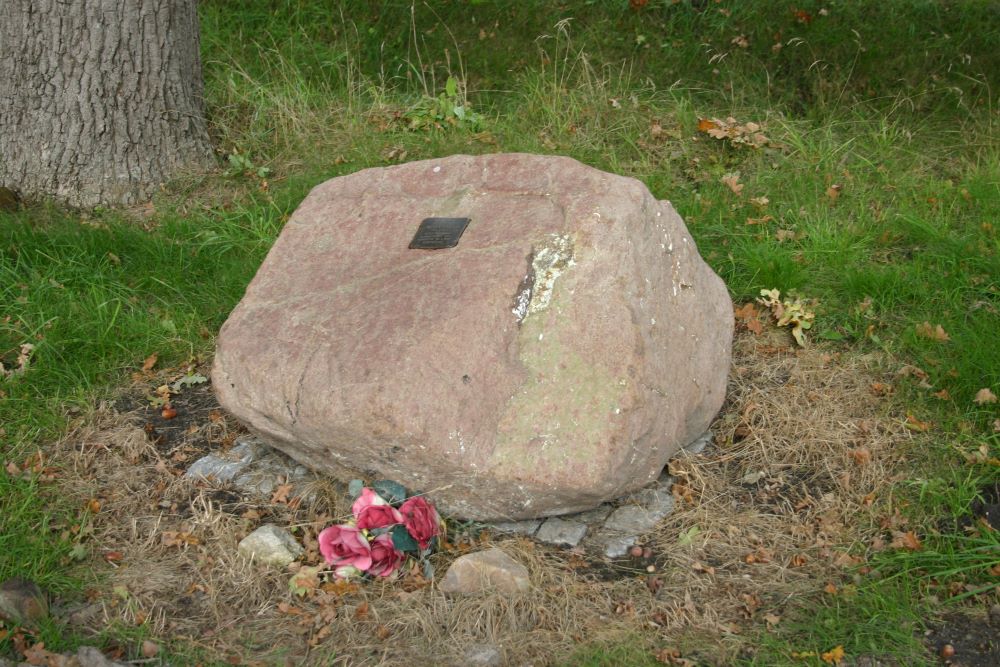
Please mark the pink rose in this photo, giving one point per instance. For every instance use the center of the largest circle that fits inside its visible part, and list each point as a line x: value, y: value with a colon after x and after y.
x: 344, y: 546
x: 386, y: 558
x: 421, y: 520
x: 379, y: 516
x: 368, y: 498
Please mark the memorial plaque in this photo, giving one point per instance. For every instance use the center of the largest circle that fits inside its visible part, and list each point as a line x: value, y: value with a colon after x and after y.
x: 435, y: 233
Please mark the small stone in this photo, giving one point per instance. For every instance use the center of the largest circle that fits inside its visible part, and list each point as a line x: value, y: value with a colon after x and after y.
x: 634, y: 519
x: 483, y: 572
x: 22, y: 602
x: 526, y: 527
x: 611, y: 543
x: 561, y: 532
x: 270, y: 545
x: 591, y: 517
x: 88, y: 656
x: 995, y: 615
x: 699, y: 444
x: 482, y: 655
x: 224, y: 466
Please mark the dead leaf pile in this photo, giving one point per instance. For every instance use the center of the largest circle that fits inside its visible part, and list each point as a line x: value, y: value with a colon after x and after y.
x: 749, y: 135
x: 788, y: 313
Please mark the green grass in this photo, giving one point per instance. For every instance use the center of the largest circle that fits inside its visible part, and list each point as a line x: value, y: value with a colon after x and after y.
x: 894, y: 101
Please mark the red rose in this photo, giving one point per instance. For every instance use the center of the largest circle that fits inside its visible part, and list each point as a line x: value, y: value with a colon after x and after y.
x: 344, y: 546
x: 421, y: 520
x: 386, y: 558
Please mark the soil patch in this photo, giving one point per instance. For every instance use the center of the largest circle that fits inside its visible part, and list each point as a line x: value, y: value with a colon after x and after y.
x: 775, y: 508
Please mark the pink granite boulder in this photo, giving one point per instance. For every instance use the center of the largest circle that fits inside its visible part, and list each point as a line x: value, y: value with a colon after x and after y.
x: 555, y: 358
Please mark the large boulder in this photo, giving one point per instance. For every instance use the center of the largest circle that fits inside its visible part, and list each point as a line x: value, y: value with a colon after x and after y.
x: 555, y: 358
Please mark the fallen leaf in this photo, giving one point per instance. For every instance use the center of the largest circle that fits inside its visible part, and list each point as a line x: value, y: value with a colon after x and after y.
x: 177, y: 538
x: 933, y: 332
x: 760, y: 202
x: 860, y: 456
x: 704, y: 125
x: 697, y: 566
x: 280, y: 495
x: 943, y: 395
x: 150, y: 361
x: 150, y: 649
x: 907, y: 540
x: 760, y: 221
x: 782, y: 235
x: 833, y: 192
x: 915, y: 424
x: 305, y: 581
x: 168, y: 412
x: 798, y: 560
x: 772, y: 620
x: 732, y: 181
x: 984, y: 396
x: 881, y: 388
x: 834, y: 656
x: 740, y: 41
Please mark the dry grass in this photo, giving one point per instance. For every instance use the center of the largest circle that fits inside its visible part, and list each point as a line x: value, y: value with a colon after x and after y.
x: 780, y: 505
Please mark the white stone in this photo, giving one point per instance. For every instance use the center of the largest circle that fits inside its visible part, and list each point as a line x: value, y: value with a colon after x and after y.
x: 270, y: 545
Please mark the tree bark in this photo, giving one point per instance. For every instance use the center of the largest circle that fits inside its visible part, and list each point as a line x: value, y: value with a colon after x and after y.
x: 100, y: 100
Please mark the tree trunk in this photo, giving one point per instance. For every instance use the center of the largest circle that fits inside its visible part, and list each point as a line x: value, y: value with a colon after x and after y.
x: 100, y: 100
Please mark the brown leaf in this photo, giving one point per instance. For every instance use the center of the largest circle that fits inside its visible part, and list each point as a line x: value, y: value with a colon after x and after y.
x: 772, y: 620
x: 830, y: 589
x: 833, y: 192
x: 834, y: 656
x: 732, y: 181
x: 280, y: 495
x: 760, y: 221
x: 861, y: 455
x: 150, y: 361
x: 177, y: 538
x: 907, y: 540
x: 881, y: 388
x: 150, y: 649
x: 704, y: 125
x: 760, y: 202
x: 943, y: 395
x: 933, y: 332
x: 915, y: 424
x: 984, y: 396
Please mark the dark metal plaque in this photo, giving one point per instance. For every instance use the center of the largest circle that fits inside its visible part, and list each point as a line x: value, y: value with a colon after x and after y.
x: 435, y: 233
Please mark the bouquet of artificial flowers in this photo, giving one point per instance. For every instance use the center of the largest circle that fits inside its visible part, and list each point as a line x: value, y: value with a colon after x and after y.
x: 383, y: 534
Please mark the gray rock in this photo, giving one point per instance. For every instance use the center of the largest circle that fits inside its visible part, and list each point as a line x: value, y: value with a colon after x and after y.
x: 612, y: 543
x: 591, y: 517
x: 88, y: 656
x: 482, y: 655
x: 4, y: 662
x: 270, y: 545
x: 223, y: 466
x: 642, y: 518
x: 526, y: 527
x: 561, y: 532
x: 573, y: 340
x: 486, y: 571
x: 22, y: 602
x: 699, y: 445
